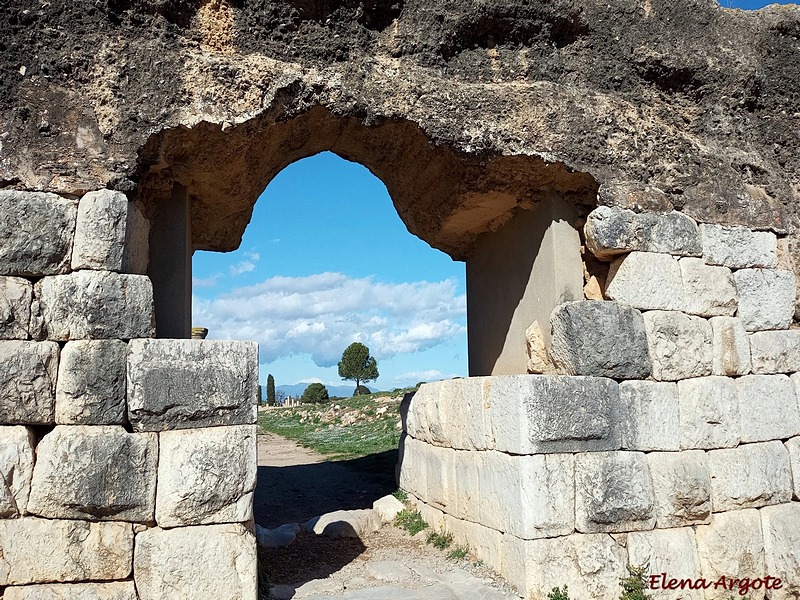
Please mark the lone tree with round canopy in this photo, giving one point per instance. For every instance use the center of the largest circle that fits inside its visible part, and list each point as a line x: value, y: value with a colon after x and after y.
x: 357, y: 365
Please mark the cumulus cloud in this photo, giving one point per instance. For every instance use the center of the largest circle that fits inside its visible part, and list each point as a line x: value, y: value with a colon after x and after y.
x: 245, y: 266
x: 205, y: 282
x: 321, y: 314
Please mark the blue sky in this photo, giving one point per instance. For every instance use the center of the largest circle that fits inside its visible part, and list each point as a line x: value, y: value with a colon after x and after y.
x: 747, y: 4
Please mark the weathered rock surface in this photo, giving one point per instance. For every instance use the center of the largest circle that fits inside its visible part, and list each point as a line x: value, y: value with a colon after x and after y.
x: 614, y: 492
x: 346, y: 523
x: 775, y: 351
x: 94, y: 305
x: 111, y: 234
x: 750, y: 476
x: 177, y: 563
x: 603, y: 339
x: 16, y: 296
x: 738, y: 247
x: 709, y: 413
x: 682, y: 488
x: 679, y: 345
x: 181, y: 384
x: 206, y: 476
x: 39, y: 551
x: 28, y: 372
x: 91, y: 383
x: 611, y: 231
x: 37, y: 231
x: 538, y: 360
x: 649, y: 415
x: 768, y: 408
x: 730, y: 347
x: 279, y: 537
x: 781, y: 541
x: 667, y: 551
x: 119, y: 590
x: 387, y: 508
x: 766, y: 298
x: 793, y: 446
x: 16, y: 470
x: 707, y: 291
x: 97, y: 473
x: 646, y: 281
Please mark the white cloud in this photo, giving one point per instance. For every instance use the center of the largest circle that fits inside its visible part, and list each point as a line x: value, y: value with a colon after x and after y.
x: 245, y: 266
x: 413, y: 377
x: 205, y: 282
x: 321, y: 314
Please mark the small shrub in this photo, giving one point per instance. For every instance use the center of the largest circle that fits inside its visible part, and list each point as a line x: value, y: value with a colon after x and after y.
x: 411, y: 521
x: 558, y: 594
x: 316, y: 392
x: 440, y: 540
x: 458, y: 553
x: 400, y: 495
x: 361, y: 390
x: 634, y: 585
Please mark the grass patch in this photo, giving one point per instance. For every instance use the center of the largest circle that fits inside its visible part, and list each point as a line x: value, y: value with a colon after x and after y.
x: 558, y: 594
x: 400, y: 495
x: 441, y: 541
x: 411, y: 521
x: 634, y: 585
x: 458, y: 553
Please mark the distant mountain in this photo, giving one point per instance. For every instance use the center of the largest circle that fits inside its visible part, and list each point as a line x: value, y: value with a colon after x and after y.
x: 296, y: 390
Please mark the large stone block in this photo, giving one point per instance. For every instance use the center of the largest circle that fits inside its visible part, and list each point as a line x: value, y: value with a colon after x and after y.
x: 646, y: 281
x: 611, y: 231
x: 484, y: 542
x: 793, y: 446
x: 670, y: 551
x: 613, y: 492
x: 649, y: 415
x: 16, y: 296
x: 211, y: 561
x: 768, y: 408
x: 91, y: 383
x: 682, y: 488
x: 541, y: 414
x: 707, y: 291
x: 28, y: 373
x: 98, y: 473
x: 738, y: 247
x: 206, y: 476
x: 37, y: 231
x: 731, y: 546
x: 602, y: 339
x: 680, y: 345
x: 185, y: 384
x: 766, y: 298
x: 117, y: 590
x: 94, y: 305
x: 749, y: 476
x: 111, y: 234
x: 730, y: 347
x: 41, y: 550
x: 709, y: 413
x: 780, y: 526
x: 16, y: 470
x: 775, y: 351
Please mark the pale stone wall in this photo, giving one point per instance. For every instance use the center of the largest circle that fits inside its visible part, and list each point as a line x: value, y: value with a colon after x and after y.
x: 127, y: 464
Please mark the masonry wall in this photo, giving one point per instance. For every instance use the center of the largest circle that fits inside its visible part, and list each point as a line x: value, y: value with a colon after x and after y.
x: 671, y: 438
x: 127, y: 464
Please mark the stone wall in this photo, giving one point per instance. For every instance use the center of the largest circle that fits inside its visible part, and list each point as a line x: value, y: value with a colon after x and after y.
x: 670, y: 439
x: 127, y: 464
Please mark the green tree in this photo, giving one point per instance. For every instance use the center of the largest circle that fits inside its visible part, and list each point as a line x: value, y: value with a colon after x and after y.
x: 357, y: 365
x: 316, y: 392
x: 270, y: 390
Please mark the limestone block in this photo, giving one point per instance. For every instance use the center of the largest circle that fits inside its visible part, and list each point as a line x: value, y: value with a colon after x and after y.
x: 183, y: 384
x: 611, y: 231
x: 28, y: 382
x: 793, y: 446
x: 649, y: 415
x: 98, y: 473
x: 41, y: 550
x: 707, y: 291
x: 738, y: 247
x: 111, y: 234
x: 670, y: 551
x: 465, y: 498
x: 730, y: 347
x: 16, y: 470
x: 709, y: 413
x: 485, y: 543
x: 117, y: 590
x: 646, y: 281
x: 387, y: 508
x: 682, y: 488
x: 210, y: 561
x: 614, y: 492
x: 780, y: 526
x: 347, y: 523
x: 680, y: 345
x: 749, y: 476
x: 16, y: 296
x: 731, y: 546
x: 602, y: 339
x: 542, y: 414
x: 37, y: 231
x: 94, y: 305
x: 538, y: 360
x: 413, y: 467
x: 206, y: 476
x: 775, y: 351
x: 91, y: 383
x: 768, y: 408
x: 280, y: 537
x: 766, y: 298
